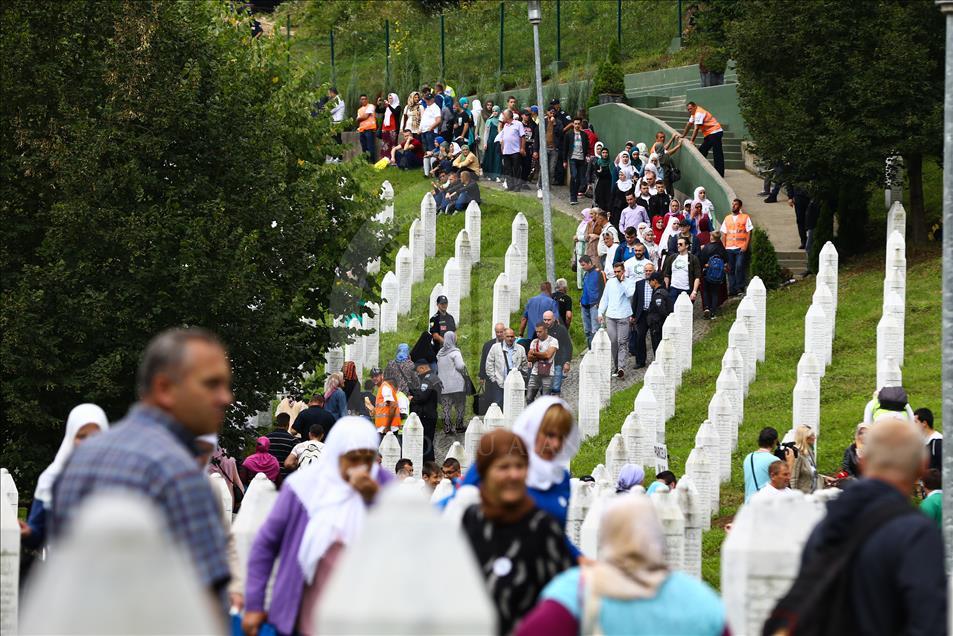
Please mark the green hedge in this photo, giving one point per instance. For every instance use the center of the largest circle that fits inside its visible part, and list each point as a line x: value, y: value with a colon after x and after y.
x: 764, y: 260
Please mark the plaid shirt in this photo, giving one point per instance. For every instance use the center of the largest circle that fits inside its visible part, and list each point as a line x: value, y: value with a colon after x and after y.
x: 150, y: 453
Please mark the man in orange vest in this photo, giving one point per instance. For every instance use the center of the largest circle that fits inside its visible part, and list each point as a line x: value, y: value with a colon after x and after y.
x: 386, y: 409
x: 711, y: 132
x: 736, y: 233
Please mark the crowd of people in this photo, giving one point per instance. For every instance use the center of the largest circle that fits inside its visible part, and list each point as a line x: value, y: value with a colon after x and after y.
x: 328, y: 470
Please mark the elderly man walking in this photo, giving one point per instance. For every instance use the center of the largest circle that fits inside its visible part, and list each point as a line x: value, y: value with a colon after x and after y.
x: 503, y: 358
x: 615, y: 308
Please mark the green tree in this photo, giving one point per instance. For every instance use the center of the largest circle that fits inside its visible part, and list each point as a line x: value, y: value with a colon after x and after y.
x: 161, y: 168
x: 835, y: 88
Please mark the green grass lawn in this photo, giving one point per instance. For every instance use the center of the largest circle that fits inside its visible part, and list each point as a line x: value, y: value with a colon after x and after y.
x: 474, y: 322
x: 844, y: 390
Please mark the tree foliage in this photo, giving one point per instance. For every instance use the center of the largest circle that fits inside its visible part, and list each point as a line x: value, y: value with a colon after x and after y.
x: 162, y: 168
x: 834, y: 88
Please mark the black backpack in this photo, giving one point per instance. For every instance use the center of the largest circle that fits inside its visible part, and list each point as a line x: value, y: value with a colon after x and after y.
x: 819, y: 603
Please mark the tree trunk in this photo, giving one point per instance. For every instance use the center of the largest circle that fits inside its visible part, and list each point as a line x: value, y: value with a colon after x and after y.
x: 916, y: 219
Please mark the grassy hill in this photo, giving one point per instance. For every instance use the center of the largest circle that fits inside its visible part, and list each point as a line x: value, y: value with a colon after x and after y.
x: 845, y: 389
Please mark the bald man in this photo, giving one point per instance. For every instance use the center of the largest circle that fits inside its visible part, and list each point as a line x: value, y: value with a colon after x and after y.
x: 498, y: 330
x: 503, y: 358
x: 896, y: 582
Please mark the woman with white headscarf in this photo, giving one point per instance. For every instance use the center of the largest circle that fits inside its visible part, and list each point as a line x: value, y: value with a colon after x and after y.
x: 476, y: 112
x: 670, y: 230
x: 410, y: 119
x: 391, y: 124
x: 579, y: 244
x: 320, y: 510
x: 630, y: 590
x: 659, y: 170
x: 84, y: 421
x: 707, y: 206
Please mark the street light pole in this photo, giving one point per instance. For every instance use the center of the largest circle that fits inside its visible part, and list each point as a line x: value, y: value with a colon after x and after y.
x: 946, y: 6
x: 535, y: 17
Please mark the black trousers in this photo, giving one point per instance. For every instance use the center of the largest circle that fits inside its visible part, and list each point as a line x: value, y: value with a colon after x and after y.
x: 637, y: 340
x: 713, y: 142
x: 655, y: 329
x: 430, y: 429
x: 512, y: 170
x: 801, y: 202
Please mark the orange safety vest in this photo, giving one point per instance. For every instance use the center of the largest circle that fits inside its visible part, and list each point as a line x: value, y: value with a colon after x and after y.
x: 709, y: 124
x: 386, y: 416
x: 369, y: 123
x: 737, y: 236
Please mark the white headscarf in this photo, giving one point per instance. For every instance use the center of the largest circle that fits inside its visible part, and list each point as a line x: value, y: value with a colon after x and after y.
x: 394, y: 102
x: 670, y: 230
x: 642, y: 149
x: 79, y: 417
x: 544, y: 474
x: 707, y: 206
x: 336, y: 512
x: 597, y: 148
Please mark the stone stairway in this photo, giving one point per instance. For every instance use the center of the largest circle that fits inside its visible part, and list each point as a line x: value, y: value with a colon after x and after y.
x: 673, y: 113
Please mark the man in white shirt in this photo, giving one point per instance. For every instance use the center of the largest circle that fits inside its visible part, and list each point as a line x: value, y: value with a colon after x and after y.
x: 780, y: 475
x: 615, y: 308
x: 635, y: 265
x: 513, y: 147
x: 541, y: 353
x: 336, y: 104
x: 429, y: 122
x: 305, y: 453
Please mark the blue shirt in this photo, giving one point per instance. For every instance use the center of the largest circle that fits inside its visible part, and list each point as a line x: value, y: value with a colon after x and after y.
x: 592, y: 285
x: 683, y: 605
x: 759, y: 461
x: 150, y: 454
x: 535, y: 308
x: 617, y: 298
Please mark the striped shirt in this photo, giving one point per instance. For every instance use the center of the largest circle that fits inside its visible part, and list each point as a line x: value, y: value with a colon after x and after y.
x: 282, y: 443
x: 151, y: 454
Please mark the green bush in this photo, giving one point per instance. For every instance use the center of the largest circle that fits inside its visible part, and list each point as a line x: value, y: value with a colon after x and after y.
x: 823, y: 232
x: 764, y: 260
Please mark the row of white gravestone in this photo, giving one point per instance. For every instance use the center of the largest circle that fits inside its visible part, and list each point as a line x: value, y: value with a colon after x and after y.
x: 892, y: 325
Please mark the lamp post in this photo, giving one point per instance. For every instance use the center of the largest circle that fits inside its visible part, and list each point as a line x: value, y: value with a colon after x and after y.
x: 535, y: 17
x: 946, y: 6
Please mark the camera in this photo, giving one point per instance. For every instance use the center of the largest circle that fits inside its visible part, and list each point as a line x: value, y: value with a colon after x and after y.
x: 784, y: 449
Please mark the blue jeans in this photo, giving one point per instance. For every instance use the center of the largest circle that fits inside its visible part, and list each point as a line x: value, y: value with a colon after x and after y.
x: 367, y: 144
x: 590, y: 322
x: 463, y: 200
x: 737, y: 277
x: 557, y: 379
x: 426, y: 140
x: 577, y: 172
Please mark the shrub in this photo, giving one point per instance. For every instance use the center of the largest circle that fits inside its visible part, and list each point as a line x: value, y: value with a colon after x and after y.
x: 764, y: 260
x: 823, y: 232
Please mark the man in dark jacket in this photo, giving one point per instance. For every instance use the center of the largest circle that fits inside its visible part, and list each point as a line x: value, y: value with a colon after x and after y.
x: 488, y: 391
x: 560, y: 121
x: 714, y: 261
x: 423, y: 402
x: 641, y: 301
x: 682, y: 272
x: 573, y: 155
x: 659, y: 308
x: 563, y: 354
x: 896, y: 579
x: 314, y: 414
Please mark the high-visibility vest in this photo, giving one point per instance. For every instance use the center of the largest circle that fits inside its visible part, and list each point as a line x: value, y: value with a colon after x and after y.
x: 709, y: 124
x: 386, y: 415
x: 737, y: 237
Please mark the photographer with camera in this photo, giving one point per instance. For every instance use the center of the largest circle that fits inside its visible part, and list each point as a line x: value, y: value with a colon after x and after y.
x: 757, y: 463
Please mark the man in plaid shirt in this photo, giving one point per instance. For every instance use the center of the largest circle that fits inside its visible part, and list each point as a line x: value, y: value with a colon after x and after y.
x: 184, y: 386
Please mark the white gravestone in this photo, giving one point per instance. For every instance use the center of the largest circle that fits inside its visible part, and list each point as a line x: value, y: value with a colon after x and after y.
x: 733, y: 360
x: 690, y: 502
x: 816, y: 339
x: 755, y: 572
x: 472, y: 225
x: 895, y: 281
x: 721, y: 418
x: 519, y: 236
x: 897, y: 220
x: 759, y: 295
x: 514, y: 397
x: 387, y: 196
x: 888, y: 339
x: 390, y: 451
x: 461, y: 252
x: 435, y: 293
x: 353, y: 351
x: 390, y: 294
x: 889, y: 373
x: 807, y: 405
x: 456, y: 452
x: 829, y: 261
x: 372, y: 565
x: 601, y: 475
x: 260, y: 497
x: 651, y: 414
x: 708, y: 439
x: 428, y: 215
x: 413, y: 443
x: 580, y: 498
x: 405, y: 280
x: 638, y: 439
x: 494, y: 418
x: 589, y: 531
x: 471, y: 441
x: 684, y: 309
x: 417, y: 250
x: 512, y: 265
x: 810, y: 367
x: 615, y: 456
x: 334, y: 360
x: 602, y: 346
x: 673, y: 525
x: 451, y: 286
x: 117, y: 571
x: 704, y: 472
x: 748, y: 316
x: 501, y: 300
x: 223, y: 494
x: 896, y: 249
x: 9, y: 555
x: 727, y: 384
x: 740, y: 339
x: 829, y: 277
x: 663, y: 390
x: 589, y: 381
x: 823, y: 297
x: 372, y: 341
x: 893, y: 304
x: 668, y: 357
